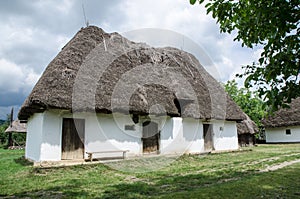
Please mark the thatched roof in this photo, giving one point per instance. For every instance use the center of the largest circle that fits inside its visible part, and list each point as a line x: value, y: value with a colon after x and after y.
x: 285, y: 116
x: 105, y: 73
x: 247, y: 126
x: 17, y: 127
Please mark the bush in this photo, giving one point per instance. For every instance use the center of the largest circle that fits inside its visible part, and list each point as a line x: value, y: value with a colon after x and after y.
x: 3, y: 135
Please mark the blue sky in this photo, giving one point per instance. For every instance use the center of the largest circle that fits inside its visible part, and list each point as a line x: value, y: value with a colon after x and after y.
x: 33, y: 32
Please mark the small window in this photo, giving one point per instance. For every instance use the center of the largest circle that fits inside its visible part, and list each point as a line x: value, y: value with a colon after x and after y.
x: 288, y: 132
x: 129, y: 127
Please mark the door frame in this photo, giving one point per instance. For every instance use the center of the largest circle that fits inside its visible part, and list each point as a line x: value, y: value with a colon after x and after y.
x: 81, y: 139
x: 209, y: 130
x: 157, y: 136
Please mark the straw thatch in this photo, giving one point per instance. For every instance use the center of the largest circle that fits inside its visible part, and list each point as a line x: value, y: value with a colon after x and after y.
x: 16, y: 127
x: 246, y: 132
x: 285, y: 116
x: 102, y: 72
x: 247, y: 126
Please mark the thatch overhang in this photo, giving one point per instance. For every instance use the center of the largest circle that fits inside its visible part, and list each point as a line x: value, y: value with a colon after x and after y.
x: 106, y: 73
x: 284, y: 117
x: 16, y: 127
x: 247, y: 126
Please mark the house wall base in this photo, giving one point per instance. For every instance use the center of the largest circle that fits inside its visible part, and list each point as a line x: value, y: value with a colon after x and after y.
x: 108, y: 132
x: 279, y: 135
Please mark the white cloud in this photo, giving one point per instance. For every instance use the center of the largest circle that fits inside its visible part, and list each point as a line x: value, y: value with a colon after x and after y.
x: 256, y: 54
x: 32, y: 33
x: 10, y: 76
x: 14, y: 78
x: 226, y: 56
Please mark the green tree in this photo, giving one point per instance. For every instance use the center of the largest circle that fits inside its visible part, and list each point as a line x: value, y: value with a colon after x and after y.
x: 249, y: 101
x: 274, y: 25
x: 3, y: 135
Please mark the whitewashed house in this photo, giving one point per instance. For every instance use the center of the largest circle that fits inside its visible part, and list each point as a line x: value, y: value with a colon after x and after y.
x: 284, y: 125
x: 104, y: 93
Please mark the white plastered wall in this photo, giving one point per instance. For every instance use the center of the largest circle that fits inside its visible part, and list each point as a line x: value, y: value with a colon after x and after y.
x: 51, y: 137
x: 225, y: 135
x: 34, y: 137
x: 107, y: 133
x: 43, y: 139
x: 276, y: 135
x: 180, y: 136
x: 102, y: 133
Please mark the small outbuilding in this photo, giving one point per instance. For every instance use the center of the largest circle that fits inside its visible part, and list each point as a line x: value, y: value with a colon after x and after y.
x: 103, y: 93
x: 247, y: 130
x: 284, y: 125
x: 16, y: 127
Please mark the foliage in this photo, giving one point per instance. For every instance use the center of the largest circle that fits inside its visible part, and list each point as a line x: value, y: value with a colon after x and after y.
x: 274, y: 25
x: 226, y: 175
x: 3, y: 135
x: 250, y: 102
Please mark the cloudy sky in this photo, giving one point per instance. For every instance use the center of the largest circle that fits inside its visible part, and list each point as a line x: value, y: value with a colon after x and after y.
x: 33, y: 32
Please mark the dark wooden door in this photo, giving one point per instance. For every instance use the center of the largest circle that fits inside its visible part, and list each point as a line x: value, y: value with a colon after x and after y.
x: 150, y: 137
x: 72, y: 139
x: 207, y: 134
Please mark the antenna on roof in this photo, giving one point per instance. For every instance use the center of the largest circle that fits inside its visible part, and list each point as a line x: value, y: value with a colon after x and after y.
x: 182, y: 47
x: 85, y: 20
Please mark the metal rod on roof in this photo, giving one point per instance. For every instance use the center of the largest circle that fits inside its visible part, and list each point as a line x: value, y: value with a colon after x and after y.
x: 85, y: 20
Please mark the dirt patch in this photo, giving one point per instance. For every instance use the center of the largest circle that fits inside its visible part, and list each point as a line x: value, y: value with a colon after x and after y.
x: 279, y: 166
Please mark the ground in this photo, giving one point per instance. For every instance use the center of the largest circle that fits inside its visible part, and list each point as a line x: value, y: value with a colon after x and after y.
x: 265, y: 171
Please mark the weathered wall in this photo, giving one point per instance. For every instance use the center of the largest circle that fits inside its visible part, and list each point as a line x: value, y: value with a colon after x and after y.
x: 274, y: 135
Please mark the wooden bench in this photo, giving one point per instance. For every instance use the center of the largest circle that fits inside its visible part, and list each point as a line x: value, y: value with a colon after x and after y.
x: 90, y: 154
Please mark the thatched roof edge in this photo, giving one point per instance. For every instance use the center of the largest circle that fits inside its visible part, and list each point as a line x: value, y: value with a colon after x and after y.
x: 17, y: 127
x: 284, y: 117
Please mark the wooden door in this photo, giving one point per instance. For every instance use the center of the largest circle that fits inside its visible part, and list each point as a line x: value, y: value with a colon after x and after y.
x: 207, y: 134
x: 72, y: 139
x: 150, y: 137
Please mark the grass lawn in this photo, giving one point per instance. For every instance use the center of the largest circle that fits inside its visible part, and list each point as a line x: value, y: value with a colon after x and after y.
x: 225, y: 175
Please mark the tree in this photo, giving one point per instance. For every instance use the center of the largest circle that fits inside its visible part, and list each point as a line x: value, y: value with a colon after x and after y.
x: 249, y: 101
x: 3, y: 135
x: 274, y: 25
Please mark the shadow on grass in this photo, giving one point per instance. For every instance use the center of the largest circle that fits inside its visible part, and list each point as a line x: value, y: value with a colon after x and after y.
x: 23, y: 161
x: 69, y: 191
x: 168, y: 185
x: 279, y: 184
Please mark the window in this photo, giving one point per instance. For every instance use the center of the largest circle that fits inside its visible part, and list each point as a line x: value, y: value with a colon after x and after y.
x: 288, y: 132
x: 129, y: 127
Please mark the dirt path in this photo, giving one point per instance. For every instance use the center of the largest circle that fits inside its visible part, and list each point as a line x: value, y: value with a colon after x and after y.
x: 279, y: 166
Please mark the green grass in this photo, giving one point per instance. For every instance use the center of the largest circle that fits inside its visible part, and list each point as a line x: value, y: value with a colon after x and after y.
x: 225, y: 175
